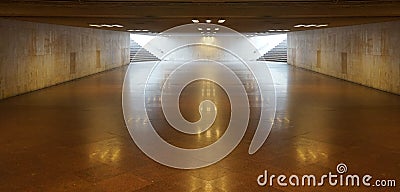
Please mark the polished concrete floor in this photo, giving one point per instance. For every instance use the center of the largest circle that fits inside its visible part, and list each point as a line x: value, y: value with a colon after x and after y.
x: 72, y: 137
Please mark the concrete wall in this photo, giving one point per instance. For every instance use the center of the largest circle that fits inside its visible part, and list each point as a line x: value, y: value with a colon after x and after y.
x: 34, y: 55
x: 365, y: 54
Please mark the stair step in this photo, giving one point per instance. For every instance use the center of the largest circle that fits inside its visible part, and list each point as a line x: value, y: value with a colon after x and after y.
x: 139, y: 54
x: 277, y: 54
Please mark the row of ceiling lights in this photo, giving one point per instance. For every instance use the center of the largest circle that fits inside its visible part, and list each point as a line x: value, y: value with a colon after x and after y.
x: 106, y: 25
x: 118, y: 26
x: 311, y: 25
x: 138, y: 30
x: 208, y: 31
x: 279, y: 30
x: 220, y: 21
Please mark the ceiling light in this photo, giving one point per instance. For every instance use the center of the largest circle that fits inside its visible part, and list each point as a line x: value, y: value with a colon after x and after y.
x: 94, y: 25
x: 145, y: 30
x: 200, y: 29
x: 322, y: 25
x: 117, y: 25
x: 130, y: 30
x: 286, y: 30
x: 299, y: 25
x: 312, y: 25
x: 195, y: 21
x: 208, y: 21
x: 208, y: 29
x: 106, y: 25
x: 216, y: 29
x: 279, y: 30
x: 271, y: 30
x: 221, y: 21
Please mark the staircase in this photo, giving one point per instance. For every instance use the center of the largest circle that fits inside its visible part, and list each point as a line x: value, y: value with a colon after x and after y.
x: 139, y: 54
x: 277, y: 54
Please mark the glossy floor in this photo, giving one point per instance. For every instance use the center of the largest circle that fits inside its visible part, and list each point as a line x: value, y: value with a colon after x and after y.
x: 72, y: 137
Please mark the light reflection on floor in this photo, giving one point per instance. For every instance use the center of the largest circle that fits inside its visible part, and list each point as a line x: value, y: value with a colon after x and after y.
x: 72, y: 137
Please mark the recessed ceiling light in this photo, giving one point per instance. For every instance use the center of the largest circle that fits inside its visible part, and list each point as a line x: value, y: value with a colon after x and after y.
x: 312, y: 25
x: 279, y: 30
x: 208, y: 29
x: 286, y: 30
x: 145, y: 30
x: 216, y: 29
x: 200, y: 29
x: 195, y: 21
x: 221, y: 21
x: 106, y: 25
x: 130, y: 30
x: 94, y: 25
x: 208, y: 21
x: 271, y: 30
x: 117, y: 25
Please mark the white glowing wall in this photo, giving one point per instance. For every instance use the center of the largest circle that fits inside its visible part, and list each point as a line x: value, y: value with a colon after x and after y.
x: 261, y: 44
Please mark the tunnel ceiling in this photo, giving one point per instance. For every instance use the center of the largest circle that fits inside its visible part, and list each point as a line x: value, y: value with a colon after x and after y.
x: 243, y: 16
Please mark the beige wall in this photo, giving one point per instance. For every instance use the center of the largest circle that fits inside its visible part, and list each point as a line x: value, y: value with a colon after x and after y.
x: 34, y: 55
x: 365, y: 54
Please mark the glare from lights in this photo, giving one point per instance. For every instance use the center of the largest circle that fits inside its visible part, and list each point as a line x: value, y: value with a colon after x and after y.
x: 208, y: 21
x: 139, y: 30
x: 195, y: 21
x: 221, y: 21
x: 278, y: 30
x: 106, y: 25
x: 311, y: 25
x: 94, y: 25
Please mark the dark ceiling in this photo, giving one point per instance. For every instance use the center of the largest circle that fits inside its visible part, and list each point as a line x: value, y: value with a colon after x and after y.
x: 243, y: 16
